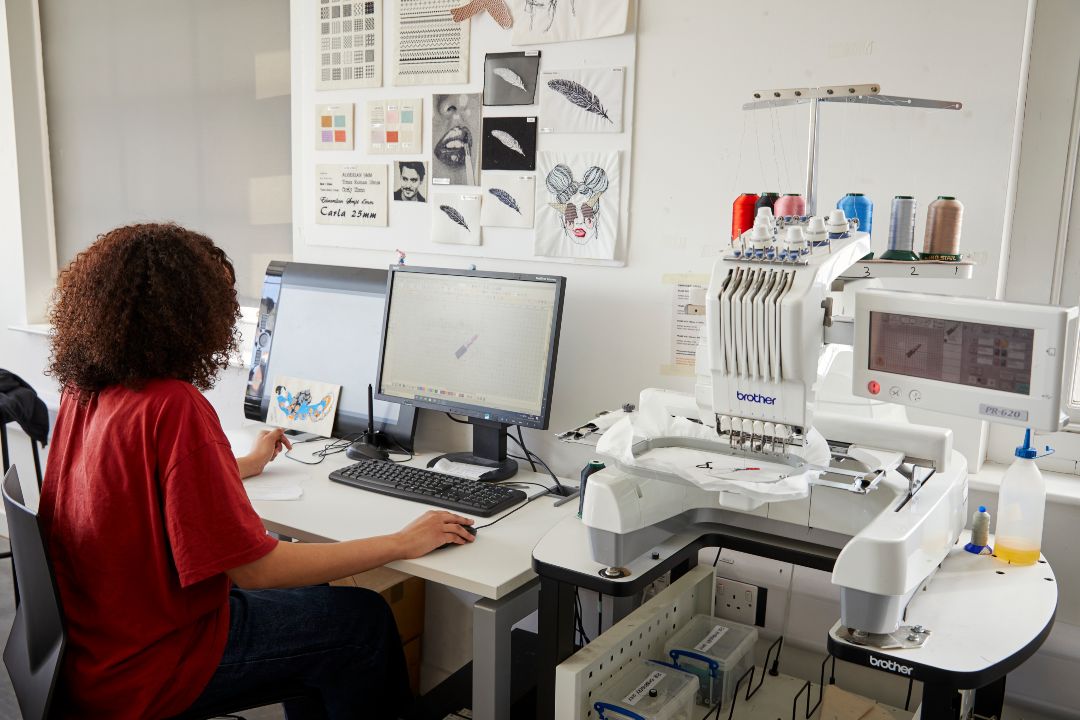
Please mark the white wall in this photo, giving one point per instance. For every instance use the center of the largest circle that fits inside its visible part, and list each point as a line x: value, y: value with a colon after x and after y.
x: 697, y: 62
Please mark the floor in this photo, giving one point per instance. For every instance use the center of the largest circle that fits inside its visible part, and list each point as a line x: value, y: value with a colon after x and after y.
x: 9, y: 707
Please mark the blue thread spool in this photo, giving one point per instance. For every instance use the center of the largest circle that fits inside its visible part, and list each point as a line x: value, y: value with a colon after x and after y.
x: 857, y: 205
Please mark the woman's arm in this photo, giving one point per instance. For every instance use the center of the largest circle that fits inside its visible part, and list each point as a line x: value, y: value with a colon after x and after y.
x: 297, y: 564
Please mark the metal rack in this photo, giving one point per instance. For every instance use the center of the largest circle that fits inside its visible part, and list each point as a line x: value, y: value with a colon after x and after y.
x: 860, y: 94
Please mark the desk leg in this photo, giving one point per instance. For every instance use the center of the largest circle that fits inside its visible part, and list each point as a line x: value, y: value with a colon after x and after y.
x: 940, y: 702
x: 556, y: 640
x: 492, y: 621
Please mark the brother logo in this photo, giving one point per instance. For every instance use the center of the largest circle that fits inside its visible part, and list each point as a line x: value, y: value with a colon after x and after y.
x: 890, y: 665
x: 755, y: 398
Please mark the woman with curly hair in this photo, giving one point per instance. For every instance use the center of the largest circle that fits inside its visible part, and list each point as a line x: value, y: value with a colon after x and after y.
x: 175, y: 598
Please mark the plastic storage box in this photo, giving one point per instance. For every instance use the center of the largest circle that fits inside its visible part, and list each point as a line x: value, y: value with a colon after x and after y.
x: 647, y: 690
x: 717, y: 651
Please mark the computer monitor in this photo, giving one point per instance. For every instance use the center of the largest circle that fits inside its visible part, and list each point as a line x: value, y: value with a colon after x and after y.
x: 324, y: 323
x: 478, y: 344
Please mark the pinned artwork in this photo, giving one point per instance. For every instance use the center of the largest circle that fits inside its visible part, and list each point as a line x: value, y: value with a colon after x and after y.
x: 581, y: 101
x: 455, y: 136
x: 429, y: 47
x: 456, y: 219
x: 508, y: 200
x: 577, y: 201
x: 410, y: 181
x: 305, y: 405
x: 549, y: 21
x: 497, y: 9
x: 509, y: 143
x: 394, y: 126
x: 510, y: 78
x: 349, y: 44
x: 334, y: 127
x: 351, y: 195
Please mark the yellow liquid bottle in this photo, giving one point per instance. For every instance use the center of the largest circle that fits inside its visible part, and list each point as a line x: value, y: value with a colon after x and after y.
x: 1021, y: 504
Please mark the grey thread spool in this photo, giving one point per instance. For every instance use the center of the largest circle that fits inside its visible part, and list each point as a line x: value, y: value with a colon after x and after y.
x: 901, y: 230
x: 942, y: 238
x: 980, y: 528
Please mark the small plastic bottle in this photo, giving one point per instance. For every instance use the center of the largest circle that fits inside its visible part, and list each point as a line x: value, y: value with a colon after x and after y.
x: 1021, y: 504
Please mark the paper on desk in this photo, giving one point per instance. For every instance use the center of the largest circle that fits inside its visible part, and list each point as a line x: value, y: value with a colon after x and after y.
x: 265, y: 489
x: 462, y: 470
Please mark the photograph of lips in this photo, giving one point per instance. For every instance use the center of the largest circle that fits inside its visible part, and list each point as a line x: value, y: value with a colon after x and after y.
x: 577, y: 205
x: 509, y: 143
x: 455, y: 135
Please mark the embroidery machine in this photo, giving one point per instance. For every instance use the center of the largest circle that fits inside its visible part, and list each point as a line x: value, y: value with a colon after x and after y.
x: 892, y: 494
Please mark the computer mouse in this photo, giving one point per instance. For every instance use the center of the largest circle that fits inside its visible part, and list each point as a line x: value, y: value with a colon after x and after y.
x: 468, y: 528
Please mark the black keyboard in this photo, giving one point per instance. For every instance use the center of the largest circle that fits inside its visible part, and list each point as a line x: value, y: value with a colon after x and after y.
x: 429, y: 487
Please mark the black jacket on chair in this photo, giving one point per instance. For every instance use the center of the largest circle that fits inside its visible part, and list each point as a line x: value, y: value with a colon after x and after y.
x: 20, y: 403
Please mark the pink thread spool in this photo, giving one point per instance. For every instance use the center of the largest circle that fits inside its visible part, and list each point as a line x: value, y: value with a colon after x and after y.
x: 790, y: 205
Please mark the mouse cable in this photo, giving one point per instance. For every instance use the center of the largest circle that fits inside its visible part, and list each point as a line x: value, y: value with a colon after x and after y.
x: 511, y: 482
x: 535, y: 497
x: 333, y: 447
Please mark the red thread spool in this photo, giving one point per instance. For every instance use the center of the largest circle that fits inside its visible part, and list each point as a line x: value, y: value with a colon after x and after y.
x: 742, y: 214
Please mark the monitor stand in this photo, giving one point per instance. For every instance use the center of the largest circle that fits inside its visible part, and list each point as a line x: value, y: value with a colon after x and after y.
x: 489, y: 450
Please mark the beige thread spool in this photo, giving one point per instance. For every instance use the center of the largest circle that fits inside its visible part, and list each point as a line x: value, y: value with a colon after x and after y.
x: 942, y: 238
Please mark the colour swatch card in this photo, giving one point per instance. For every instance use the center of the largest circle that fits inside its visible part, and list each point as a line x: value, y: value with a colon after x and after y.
x: 509, y: 143
x: 577, y: 201
x: 456, y: 218
x: 334, y: 127
x: 548, y: 21
x: 455, y: 138
x: 429, y: 47
x: 305, y: 405
x: 351, y: 195
x: 510, y: 78
x: 394, y: 126
x: 349, y: 44
x: 581, y: 101
x: 509, y: 200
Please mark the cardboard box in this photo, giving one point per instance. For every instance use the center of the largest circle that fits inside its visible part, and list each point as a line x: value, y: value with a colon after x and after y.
x: 404, y: 593
x: 840, y: 704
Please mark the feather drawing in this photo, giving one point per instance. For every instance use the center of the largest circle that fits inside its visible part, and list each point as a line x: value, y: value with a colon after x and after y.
x: 455, y: 216
x: 511, y: 77
x: 579, y: 95
x: 506, y: 199
x: 508, y: 140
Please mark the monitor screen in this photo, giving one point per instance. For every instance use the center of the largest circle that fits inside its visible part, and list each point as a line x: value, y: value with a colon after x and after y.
x: 325, y: 324
x: 996, y: 357
x: 480, y: 344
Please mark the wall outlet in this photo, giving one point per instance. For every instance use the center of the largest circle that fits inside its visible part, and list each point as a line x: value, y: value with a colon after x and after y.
x: 740, y: 601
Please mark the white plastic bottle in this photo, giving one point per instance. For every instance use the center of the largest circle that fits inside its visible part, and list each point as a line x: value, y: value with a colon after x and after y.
x: 1021, y: 504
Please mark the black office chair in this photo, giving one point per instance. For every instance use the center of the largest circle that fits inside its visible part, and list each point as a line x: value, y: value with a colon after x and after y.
x: 36, y: 643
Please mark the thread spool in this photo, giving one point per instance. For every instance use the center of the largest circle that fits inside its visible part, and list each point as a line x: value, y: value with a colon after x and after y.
x: 742, y: 214
x: 980, y: 532
x: 901, y: 230
x: 790, y: 205
x: 767, y: 199
x: 942, y: 238
x: 857, y: 205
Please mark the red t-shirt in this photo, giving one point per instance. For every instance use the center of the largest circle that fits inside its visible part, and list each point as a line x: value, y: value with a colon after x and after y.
x: 143, y: 512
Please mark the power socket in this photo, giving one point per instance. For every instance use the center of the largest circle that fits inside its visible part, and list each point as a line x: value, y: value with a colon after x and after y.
x: 740, y: 601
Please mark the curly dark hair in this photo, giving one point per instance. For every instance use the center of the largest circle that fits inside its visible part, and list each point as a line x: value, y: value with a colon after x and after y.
x: 144, y: 302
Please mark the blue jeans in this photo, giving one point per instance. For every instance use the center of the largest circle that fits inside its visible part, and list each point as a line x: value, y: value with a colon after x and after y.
x: 337, y: 646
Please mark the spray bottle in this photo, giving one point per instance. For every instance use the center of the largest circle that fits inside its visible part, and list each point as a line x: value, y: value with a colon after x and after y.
x: 1021, y: 504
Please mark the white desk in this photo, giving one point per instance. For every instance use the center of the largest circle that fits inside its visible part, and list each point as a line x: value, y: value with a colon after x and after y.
x: 497, y: 566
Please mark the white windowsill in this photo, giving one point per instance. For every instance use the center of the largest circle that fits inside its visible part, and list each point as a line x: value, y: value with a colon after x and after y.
x: 33, y: 328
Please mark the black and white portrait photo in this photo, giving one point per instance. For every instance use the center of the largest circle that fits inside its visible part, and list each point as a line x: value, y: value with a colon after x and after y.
x: 410, y: 181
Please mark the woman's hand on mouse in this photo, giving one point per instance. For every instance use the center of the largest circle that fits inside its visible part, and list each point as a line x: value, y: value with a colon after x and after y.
x: 265, y: 448
x: 431, y: 531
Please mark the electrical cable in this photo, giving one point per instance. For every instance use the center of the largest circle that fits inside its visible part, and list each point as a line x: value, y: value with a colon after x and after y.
x: 521, y: 442
x: 480, y: 527
x: 529, y: 453
x: 333, y: 447
x: 717, y: 559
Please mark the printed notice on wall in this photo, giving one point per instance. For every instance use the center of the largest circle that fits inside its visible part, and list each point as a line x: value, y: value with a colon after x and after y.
x: 687, y: 321
x: 351, y: 195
